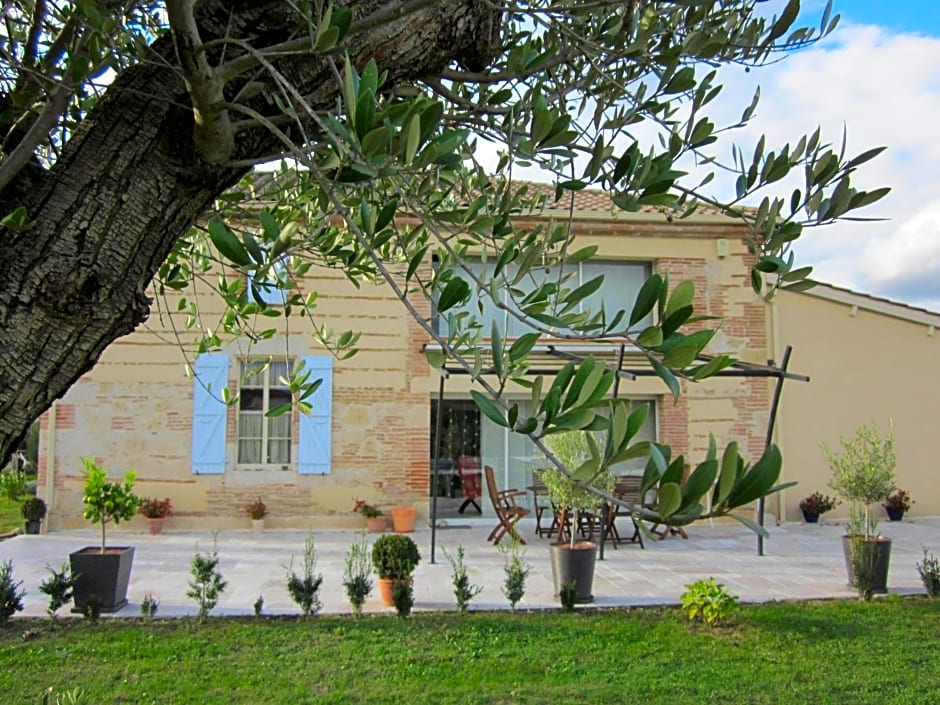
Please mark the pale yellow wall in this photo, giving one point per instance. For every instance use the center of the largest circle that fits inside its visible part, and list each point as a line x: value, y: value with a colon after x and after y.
x: 865, y: 366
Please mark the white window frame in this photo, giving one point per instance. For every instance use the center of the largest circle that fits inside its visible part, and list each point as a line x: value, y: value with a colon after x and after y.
x: 265, y: 374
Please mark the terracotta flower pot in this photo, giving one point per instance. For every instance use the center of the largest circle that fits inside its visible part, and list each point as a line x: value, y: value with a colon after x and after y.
x: 403, y: 519
x: 155, y: 525
x: 386, y: 591
x: 376, y: 525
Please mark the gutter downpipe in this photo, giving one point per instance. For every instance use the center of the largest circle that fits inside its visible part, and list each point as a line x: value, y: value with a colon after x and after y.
x: 50, y: 462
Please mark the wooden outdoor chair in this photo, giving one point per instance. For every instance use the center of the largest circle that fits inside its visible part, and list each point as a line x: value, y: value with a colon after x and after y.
x: 507, y: 511
x: 468, y: 469
x: 626, y: 488
x: 540, y: 501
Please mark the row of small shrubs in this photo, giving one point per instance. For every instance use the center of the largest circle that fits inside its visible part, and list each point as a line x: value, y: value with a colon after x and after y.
x: 207, y: 583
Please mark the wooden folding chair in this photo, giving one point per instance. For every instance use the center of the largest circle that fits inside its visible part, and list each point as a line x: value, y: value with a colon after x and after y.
x: 507, y: 511
x: 626, y: 488
x: 541, y: 503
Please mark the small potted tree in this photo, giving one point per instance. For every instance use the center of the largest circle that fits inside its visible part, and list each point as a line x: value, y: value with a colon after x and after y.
x: 863, y: 473
x: 394, y: 557
x: 102, y: 573
x: 156, y: 511
x: 33, y: 511
x: 573, y: 559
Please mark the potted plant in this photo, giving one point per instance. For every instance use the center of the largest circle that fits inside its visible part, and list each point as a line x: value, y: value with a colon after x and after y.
x: 897, y: 503
x: 33, y: 511
x: 573, y: 560
x: 863, y: 473
x: 103, y: 572
x: 816, y: 504
x: 156, y: 510
x: 403, y: 519
x: 375, y: 520
x: 257, y: 510
x: 394, y: 558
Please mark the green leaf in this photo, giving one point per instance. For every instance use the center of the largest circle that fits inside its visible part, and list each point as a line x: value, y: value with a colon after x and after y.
x: 574, y: 420
x: 670, y: 499
x: 489, y: 409
x: 435, y: 358
x: 496, y: 350
x: 680, y: 298
x: 681, y: 356
x: 413, y: 139
x: 699, y: 483
x: 652, y: 337
x: 758, y: 481
x: 666, y: 376
x: 456, y: 291
x: 227, y: 243
x: 753, y: 526
x: 729, y: 473
x: 646, y: 298
x: 522, y: 346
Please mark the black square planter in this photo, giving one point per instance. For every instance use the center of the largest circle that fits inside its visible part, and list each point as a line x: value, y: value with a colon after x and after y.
x: 104, y: 575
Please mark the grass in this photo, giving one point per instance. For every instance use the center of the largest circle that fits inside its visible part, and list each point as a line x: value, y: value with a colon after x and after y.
x: 824, y: 653
x: 10, y: 517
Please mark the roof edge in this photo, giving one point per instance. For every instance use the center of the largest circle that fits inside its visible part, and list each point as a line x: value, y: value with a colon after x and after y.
x: 876, y: 304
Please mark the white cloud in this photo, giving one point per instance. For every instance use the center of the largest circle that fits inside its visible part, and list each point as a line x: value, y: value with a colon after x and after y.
x: 883, y: 89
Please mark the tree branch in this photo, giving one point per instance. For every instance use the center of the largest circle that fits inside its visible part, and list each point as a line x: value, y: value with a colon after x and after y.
x: 213, y: 135
x: 38, y: 131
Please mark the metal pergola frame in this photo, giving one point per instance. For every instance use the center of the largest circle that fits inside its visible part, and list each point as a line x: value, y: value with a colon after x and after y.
x: 578, y: 354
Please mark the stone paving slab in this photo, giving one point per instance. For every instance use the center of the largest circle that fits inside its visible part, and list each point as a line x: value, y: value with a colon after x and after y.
x: 801, y: 561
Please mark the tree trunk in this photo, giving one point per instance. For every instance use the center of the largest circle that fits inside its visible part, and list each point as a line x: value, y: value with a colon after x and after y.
x: 129, y: 184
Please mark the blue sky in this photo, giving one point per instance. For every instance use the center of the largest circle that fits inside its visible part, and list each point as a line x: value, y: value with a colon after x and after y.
x: 895, y: 15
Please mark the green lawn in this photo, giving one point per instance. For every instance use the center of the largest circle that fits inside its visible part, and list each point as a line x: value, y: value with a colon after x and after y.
x: 835, y: 652
x: 10, y: 517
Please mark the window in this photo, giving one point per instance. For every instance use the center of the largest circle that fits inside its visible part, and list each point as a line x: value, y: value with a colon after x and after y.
x: 262, y: 439
x: 622, y: 282
x: 466, y: 434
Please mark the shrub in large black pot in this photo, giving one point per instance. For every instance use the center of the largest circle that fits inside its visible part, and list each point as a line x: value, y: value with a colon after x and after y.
x: 102, y: 573
x: 394, y: 556
x: 573, y: 560
x: 33, y: 511
x: 863, y: 473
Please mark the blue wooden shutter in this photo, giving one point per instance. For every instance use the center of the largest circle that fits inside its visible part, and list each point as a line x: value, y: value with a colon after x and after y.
x: 209, y: 414
x: 316, y: 427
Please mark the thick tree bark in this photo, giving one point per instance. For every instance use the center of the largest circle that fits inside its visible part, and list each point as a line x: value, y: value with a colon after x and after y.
x: 130, y: 183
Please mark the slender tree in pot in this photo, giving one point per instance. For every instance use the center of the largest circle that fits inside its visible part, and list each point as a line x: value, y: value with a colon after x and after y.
x: 103, y: 573
x: 573, y: 560
x: 863, y: 473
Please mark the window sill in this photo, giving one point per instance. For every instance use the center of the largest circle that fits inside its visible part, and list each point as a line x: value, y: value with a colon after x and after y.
x: 265, y: 468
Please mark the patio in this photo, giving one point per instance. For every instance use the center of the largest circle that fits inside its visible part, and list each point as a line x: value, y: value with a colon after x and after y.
x: 801, y: 561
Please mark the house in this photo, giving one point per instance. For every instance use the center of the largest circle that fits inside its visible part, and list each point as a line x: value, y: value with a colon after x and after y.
x: 370, y: 435
x: 870, y: 360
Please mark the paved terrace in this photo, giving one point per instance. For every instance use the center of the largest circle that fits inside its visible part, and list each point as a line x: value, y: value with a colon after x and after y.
x: 801, y: 561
